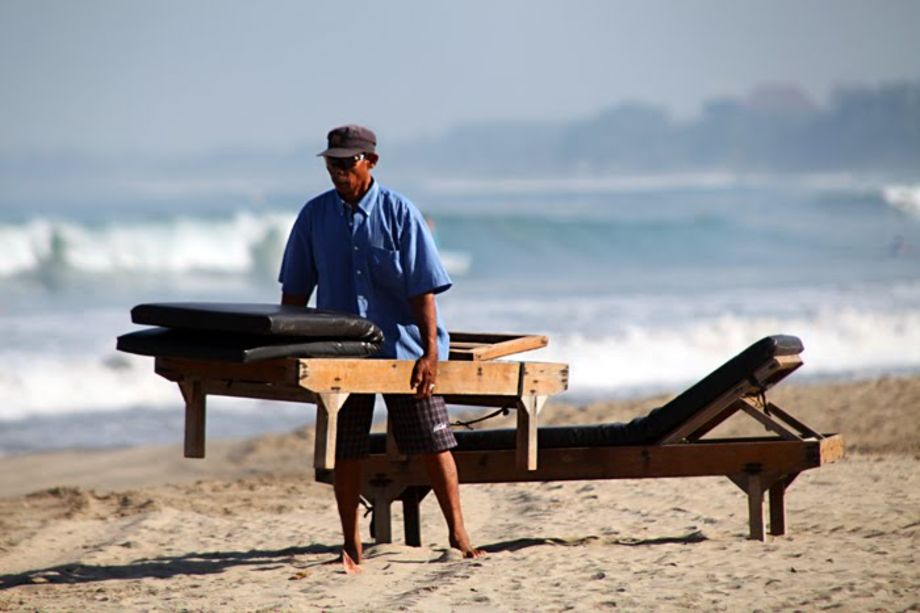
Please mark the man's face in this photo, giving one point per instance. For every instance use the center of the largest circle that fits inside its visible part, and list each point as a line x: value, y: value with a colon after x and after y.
x: 352, y: 175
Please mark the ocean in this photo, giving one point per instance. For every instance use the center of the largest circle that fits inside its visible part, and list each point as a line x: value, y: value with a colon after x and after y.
x: 641, y: 283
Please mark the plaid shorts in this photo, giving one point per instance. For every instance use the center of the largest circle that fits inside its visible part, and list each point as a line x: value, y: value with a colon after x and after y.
x: 419, y: 425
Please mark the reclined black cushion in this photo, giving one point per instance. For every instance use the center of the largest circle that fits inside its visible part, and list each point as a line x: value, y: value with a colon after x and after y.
x: 645, y: 430
x: 244, y: 348
x: 257, y: 319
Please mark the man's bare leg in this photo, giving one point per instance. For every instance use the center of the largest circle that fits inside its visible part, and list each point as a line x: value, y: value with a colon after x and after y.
x: 347, y: 493
x: 442, y: 472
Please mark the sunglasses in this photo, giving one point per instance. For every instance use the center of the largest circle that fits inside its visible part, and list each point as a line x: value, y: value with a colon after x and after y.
x: 344, y: 163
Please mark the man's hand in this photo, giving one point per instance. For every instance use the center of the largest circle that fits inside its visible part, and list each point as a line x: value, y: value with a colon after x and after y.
x: 424, y: 376
x: 425, y: 372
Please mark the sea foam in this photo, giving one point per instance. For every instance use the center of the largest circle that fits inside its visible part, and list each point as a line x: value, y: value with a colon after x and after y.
x: 905, y: 198
x: 837, y: 343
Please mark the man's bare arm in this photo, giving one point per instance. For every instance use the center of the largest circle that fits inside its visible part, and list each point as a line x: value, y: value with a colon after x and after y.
x: 425, y: 372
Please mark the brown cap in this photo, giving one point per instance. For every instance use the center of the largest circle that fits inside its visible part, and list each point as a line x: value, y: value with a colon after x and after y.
x: 346, y: 141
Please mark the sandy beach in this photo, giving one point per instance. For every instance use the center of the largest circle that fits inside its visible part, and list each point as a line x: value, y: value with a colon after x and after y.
x: 248, y: 528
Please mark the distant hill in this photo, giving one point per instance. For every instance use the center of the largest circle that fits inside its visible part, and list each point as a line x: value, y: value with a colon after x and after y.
x: 776, y: 128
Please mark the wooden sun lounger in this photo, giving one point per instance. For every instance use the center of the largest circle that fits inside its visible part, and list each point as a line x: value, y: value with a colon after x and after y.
x: 469, y: 377
x: 756, y: 465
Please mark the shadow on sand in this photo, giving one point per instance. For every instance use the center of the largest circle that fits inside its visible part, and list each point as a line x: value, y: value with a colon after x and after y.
x: 195, y: 563
x: 523, y: 543
x: 165, y: 566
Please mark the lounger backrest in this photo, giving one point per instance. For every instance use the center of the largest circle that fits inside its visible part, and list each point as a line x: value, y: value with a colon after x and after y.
x: 721, y: 382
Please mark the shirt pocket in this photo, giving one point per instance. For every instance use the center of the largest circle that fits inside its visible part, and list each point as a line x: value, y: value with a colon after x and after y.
x: 386, y: 268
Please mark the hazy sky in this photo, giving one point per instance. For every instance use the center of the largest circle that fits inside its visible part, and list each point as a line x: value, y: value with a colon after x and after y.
x: 195, y: 75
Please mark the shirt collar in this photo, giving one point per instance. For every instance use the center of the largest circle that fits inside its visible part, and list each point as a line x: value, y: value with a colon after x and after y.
x: 366, y: 204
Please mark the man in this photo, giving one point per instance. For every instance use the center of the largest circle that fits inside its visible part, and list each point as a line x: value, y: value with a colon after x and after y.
x: 368, y: 251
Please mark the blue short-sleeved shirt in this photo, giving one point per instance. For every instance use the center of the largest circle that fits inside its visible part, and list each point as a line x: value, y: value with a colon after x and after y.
x: 367, y: 260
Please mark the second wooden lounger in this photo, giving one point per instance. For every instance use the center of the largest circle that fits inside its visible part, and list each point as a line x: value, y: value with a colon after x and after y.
x: 665, y: 443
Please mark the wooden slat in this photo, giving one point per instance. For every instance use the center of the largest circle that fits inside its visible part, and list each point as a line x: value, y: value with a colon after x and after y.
x: 482, y: 346
x: 393, y: 377
x: 490, y: 338
x: 280, y: 372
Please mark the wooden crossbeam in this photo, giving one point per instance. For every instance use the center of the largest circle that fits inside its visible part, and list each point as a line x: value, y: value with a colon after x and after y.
x: 394, y: 377
x: 704, y: 458
x: 806, y: 431
x: 747, y: 406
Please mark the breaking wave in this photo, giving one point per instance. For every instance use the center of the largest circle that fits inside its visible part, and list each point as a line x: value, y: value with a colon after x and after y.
x: 905, y: 198
x: 241, y: 243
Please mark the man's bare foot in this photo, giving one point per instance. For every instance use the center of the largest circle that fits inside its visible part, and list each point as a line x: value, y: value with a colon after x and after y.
x: 462, y: 542
x: 352, y: 567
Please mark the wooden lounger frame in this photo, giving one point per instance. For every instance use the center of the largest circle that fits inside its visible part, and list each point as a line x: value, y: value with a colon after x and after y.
x: 473, y: 380
x: 756, y: 465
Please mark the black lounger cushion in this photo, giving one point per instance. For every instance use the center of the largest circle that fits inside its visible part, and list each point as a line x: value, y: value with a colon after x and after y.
x: 645, y: 430
x: 664, y: 419
x: 257, y: 319
x: 238, y: 347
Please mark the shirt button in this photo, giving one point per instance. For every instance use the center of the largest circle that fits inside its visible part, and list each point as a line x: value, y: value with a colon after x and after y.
x: 359, y: 272
x: 356, y: 247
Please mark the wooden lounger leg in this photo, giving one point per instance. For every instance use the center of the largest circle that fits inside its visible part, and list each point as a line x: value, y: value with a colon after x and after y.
x: 752, y: 485
x: 411, y: 516
x: 755, y: 507
x: 526, y: 446
x: 195, y: 401
x: 778, y: 504
x: 327, y: 419
x: 382, y: 527
x: 778, y: 508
